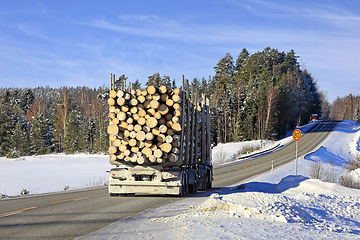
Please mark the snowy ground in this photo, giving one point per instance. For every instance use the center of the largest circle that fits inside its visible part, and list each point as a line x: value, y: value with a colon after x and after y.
x: 268, y: 206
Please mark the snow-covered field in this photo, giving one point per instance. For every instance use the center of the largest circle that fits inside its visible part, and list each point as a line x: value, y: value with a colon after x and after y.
x: 268, y: 206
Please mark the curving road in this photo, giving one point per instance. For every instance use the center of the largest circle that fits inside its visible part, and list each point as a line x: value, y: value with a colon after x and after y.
x: 73, y: 214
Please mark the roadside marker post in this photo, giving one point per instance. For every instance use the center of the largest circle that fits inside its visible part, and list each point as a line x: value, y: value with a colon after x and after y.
x: 296, y: 137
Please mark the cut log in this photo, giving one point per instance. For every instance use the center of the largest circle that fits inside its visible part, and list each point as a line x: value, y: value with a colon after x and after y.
x: 176, y: 98
x: 163, y: 128
x: 162, y: 121
x: 158, y: 153
x: 112, y: 94
x: 135, y: 149
x: 112, y: 150
x: 166, y: 147
x: 175, y: 119
x: 133, y: 157
x: 164, y: 97
x: 133, y: 110
x: 169, y: 139
x: 163, y: 89
x: 146, y: 129
x: 140, y: 145
x: 113, y: 129
x: 144, y: 92
x: 120, y: 156
x: 111, y: 101
x: 155, y: 131
x: 125, y: 108
x: 151, y: 122
x: 122, y: 147
x: 140, y: 136
x: 112, y: 137
x: 168, y: 116
x: 157, y: 115
x: 151, y: 90
x: 175, y: 150
x: 121, y: 116
x: 151, y: 111
x: 127, y: 152
x: 170, y: 132
x: 146, y: 151
x: 133, y: 102
x: 169, y: 102
x: 149, y: 136
x: 135, y: 117
x: 152, y: 158
x: 161, y: 138
x: 142, y: 113
x: 115, y: 121
x: 123, y: 125
x: 141, y: 121
x: 132, y: 142
x: 130, y: 127
x: 137, y: 128
x: 117, y: 142
x: 121, y: 101
x: 147, y: 104
x: 156, y: 97
x: 173, y: 157
x: 129, y: 121
x: 159, y: 160
x: 154, y: 104
x: 127, y: 96
x: 176, y: 106
x: 132, y: 134
x: 148, y: 143
x: 113, y: 157
x: 163, y: 109
x: 141, y: 160
x: 176, y: 127
x: 120, y: 93
x: 177, y: 112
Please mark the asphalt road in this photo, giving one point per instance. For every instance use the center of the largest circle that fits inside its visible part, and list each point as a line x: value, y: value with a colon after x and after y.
x: 73, y: 214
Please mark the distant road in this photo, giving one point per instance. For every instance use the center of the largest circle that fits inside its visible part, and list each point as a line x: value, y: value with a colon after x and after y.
x: 73, y: 214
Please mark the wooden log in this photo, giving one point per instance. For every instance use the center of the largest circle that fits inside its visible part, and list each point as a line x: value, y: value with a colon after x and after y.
x: 164, y: 97
x: 170, y: 132
x: 152, y: 158
x: 135, y: 117
x: 112, y: 150
x: 158, y: 153
x: 163, y: 109
x: 133, y: 157
x: 129, y: 121
x: 175, y: 119
x: 112, y: 137
x: 144, y: 92
x: 151, y: 122
x: 132, y: 92
x: 155, y: 131
x: 176, y: 127
x: 151, y: 90
x: 140, y: 144
x: 147, y: 104
x: 120, y: 156
x: 112, y: 94
x: 162, y: 121
x: 120, y: 93
x: 133, y: 102
x: 154, y: 104
x: 160, y: 160
x: 141, y: 121
x: 146, y: 129
x: 157, y: 115
x: 125, y: 140
x: 137, y: 128
x: 115, y: 121
x: 166, y: 147
x: 132, y: 134
x: 135, y: 149
x: 176, y: 106
x: 163, y: 128
x: 176, y: 98
x: 149, y: 136
x: 153, y: 147
x: 163, y: 89
x: 140, y: 160
x: 127, y: 152
x: 133, y: 110
x: 130, y: 127
x: 112, y: 109
x: 121, y: 116
x: 112, y: 157
x: 177, y: 112
x: 175, y: 144
x: 140, y: 135
x: 176, y: 91
x: 111, y: 101
x: 123, y: 124
x: 113, y: 129
x: 173, y: 157
x: 169, y: 116
x: 169, y: 102
x: 138, y: 92
x: 142, y: 113
x: 141, y: 98
x: 117, y: 142
x: 121, y: 101
x: 147, y: 151
x: 125, y: 108
x: 132, y: 142
x: 148, y: 143
x: 151, y: 111
x: 156, y: 97
x: 161, y: 138
x: 122, y: 147
x: 175, y: 150
x: 169, y: 139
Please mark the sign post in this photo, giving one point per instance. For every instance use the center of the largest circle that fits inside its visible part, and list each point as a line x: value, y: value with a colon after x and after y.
x: 296, y: 137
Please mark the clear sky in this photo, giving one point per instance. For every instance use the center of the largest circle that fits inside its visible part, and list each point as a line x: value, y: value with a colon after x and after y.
x: 79, y: 43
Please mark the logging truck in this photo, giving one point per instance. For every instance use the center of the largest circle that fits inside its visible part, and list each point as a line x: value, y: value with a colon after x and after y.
x: 159, y: 140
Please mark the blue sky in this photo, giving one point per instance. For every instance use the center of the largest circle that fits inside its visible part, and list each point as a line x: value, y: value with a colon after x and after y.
x: 79, y: 43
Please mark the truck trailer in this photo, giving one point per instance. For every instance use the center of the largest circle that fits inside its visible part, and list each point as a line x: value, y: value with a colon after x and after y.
x: 160, y: 140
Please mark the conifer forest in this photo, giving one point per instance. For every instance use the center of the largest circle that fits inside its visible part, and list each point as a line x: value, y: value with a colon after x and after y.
x: 257, y: 96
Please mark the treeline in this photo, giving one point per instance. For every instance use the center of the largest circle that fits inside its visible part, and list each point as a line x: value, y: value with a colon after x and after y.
x: 47, y: 120
x: 260, y: 96
x: 346, y: 108
x: 257, y: 96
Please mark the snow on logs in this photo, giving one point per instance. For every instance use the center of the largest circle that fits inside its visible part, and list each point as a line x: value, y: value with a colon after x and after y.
x: 145, y: 125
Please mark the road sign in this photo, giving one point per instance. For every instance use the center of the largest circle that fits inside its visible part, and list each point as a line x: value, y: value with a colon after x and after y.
x: 296, y: 134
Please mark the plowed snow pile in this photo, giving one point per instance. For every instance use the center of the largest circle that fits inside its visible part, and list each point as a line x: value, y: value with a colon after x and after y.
x: 292, y: 203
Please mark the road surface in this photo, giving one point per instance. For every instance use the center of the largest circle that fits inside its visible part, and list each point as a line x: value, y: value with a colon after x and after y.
x: 73, y: 214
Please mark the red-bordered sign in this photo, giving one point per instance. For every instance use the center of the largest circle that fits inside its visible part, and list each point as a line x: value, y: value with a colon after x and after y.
x: 296, y: 134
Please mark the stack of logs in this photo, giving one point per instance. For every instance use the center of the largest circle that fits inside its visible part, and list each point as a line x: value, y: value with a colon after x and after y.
x: 145, y: 125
